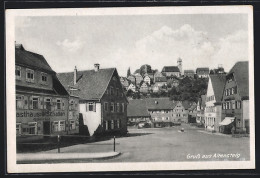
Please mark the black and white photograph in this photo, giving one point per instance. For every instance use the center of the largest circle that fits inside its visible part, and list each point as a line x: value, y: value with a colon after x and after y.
x: 130, y: 89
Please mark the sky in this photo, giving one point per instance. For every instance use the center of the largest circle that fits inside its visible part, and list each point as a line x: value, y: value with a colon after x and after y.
x: 201, y: 40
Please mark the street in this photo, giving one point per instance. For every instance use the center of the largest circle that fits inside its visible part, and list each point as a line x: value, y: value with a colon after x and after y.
x: 169, y: 144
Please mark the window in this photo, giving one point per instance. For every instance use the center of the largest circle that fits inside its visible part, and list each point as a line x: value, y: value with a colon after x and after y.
x: 72, y: 125
x: 35, y: 102
x: 123, y: 107
x: 44, y: 78
x: 232, y: 91
x: 117, y: 92
x: 58, y: 103
x: 112, y: 107
x: 167, y: 118
x: 106, y: 106
x: 106, y: 125
x: 111, y: 90
x: 118, y: 123
x: 162, y: 111
x: 32, y: 128
x: 163, y: 118
x: 90, y: 106
x: 55, y: 126
x: 62, y: 126
x: 109, y: 125
x: 29, y: 75
x: 238, y: 104
x: 19, y: 102
x: 18, y: 72
x: 18, y: 129
x: 117, y: 107
x: 112, y: 124
x: 48, y: 104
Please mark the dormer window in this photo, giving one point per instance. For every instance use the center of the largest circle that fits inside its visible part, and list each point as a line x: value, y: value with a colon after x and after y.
x: 29, y: 75
x: 18, y: 72
x: 44, y: 78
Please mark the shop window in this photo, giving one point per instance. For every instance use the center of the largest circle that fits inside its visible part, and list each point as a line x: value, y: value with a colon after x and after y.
x: 58, y: 104
x: 29, y: 75
x: 72, y: 125
x: 62, y: 126
x: 32, y: 128
x: 19, y: 102
x: 18, y: 129
x: 112, y: 107
x: 44, y: 78
x: 18, y: 72
x: 56, y: 126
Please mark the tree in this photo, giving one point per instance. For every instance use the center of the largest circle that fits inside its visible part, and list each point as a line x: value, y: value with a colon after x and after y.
x: 128, y: 72
x: 145, y: 69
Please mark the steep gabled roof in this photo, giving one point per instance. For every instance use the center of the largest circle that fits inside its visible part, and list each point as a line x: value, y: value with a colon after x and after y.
x: 137, y: 108
x: 159, y: 103
x: 170, y: 69
x: 218, y: 84
x: 92, y: 85
x: 30, y: 59
x: 241, y: 73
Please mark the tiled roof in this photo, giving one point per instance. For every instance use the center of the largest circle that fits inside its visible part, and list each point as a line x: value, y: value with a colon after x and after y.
x: 192, y: 107
x: 30, y: 59
x: 137, y: 108
x: 218, y: 84
x: 159, y: 103
x: 202, y: 70
x: 160, y: 79
x: 92, y: 85
x: 241, y: 74
x: 170, y: 69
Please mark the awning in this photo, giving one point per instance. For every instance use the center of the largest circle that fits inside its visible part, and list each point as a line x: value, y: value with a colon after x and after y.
x: 227, y: 121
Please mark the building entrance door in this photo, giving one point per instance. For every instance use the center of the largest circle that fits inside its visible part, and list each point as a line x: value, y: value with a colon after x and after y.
x: 46, y: 127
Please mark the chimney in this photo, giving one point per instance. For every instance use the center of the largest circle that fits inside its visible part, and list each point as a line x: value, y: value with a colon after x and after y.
x: 96, y: 67
x: 75, y: 76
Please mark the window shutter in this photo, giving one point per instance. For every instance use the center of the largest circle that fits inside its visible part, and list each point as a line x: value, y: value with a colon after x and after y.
x: 94, y: 107
x: 87, y: 107
x: 30, y: 102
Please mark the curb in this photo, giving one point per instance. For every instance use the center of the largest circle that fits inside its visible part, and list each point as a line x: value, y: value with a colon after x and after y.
x: 62, y: 159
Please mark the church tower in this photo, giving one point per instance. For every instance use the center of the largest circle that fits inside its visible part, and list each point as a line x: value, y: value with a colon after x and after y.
x: 179, y: 62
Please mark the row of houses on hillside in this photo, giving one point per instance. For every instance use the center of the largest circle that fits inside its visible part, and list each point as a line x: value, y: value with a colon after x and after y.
x: 49, y: 103
x: 225, y: 107
x: 169, y: 76
x: 161, y: 112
